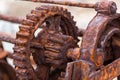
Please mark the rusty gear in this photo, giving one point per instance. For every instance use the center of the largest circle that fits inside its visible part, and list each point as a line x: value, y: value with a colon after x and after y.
x: 36, y: 20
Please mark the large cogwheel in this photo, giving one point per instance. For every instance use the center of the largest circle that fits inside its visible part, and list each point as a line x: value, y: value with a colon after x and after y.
x: 57, y: 19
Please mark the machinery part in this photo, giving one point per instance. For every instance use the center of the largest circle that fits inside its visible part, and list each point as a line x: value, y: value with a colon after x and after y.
x: 54, y: 54
x: 100, y: 40
x: 110, y: 41
x: 108, y: 46
x: 11, y: 19
x: 71, y: 53
x: 61, y: 2
x: 108, y: 72
x: 7, y: 38
x: 79, y: 70
x: 55, y: 46
x: 89, y: 48
x: 59, y: 33
x: 41, y: 17
x: 6, y: 71
x: 104, y: 6
x: 81, y: 32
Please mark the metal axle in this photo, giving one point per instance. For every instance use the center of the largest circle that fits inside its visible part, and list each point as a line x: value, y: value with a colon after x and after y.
x: 8, y: 38
x: 11, y: 19
x: 65, y: 2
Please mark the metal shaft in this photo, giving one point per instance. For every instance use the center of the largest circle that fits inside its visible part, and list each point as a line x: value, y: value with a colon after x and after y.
x: 7, y: 38
x: 11, y: 19
x: 65, y: 2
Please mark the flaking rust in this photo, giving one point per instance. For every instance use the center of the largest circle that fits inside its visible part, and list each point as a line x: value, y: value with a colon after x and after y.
x: 48, y: 38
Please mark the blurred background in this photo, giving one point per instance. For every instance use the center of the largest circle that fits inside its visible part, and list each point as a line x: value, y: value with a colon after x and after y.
x: 20, y: 8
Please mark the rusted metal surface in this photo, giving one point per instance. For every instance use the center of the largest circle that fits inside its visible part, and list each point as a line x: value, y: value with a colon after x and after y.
x: 97, y: 49
x: 50, y: 37
x: 6, y: 71
x: 56, y: 38
x: 76, y: 68
x: 7, y: 37
x: 108, y: 72
x: 62, y: 2
x: 11, y: 19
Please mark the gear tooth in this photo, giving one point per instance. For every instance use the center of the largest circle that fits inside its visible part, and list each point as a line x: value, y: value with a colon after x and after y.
x: 19, y: 49
x: 69, y: 14
x: 74, y: 23
x: 29, y: 22
x: 20, y: 64
x: 60, y: 8
x: 25, y: 27
x: 42, y: 8
x: 51, y: 8
x: 72, y: 17
x: 38, y: 13
x: 55, y: 8
x: 21, y: 41
x: 25, y: 34
x: 22, y: 71
x: 38, y: 8
x: 76, y: 27
x: 64, y: 9
x: 43, y: 14
x: 33, y: 11
x: 23, y: 77
x: 17, y: 56
x: 32, y: 17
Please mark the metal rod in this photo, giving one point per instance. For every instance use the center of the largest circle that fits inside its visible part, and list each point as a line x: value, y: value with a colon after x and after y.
x: 65, y: 2
x: 11, y: 19
x: 7, y: 38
